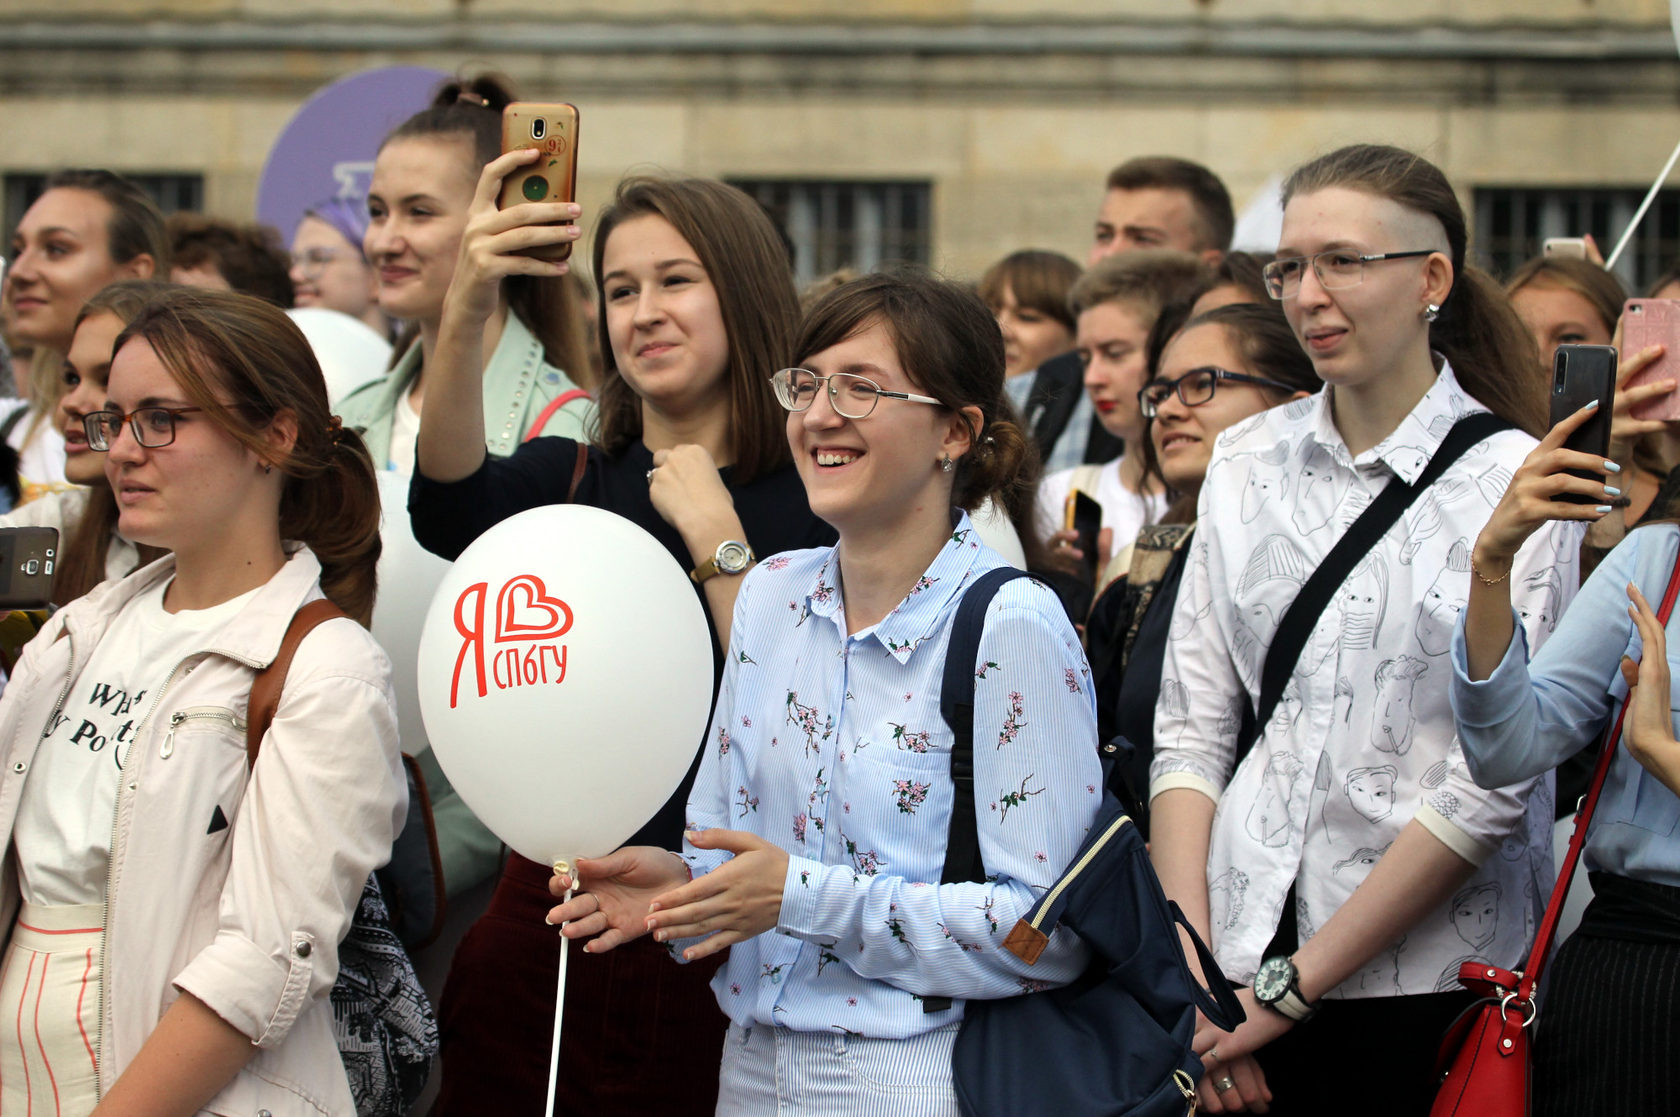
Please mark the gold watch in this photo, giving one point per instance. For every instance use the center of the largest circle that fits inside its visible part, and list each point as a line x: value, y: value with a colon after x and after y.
x: 731, y: 557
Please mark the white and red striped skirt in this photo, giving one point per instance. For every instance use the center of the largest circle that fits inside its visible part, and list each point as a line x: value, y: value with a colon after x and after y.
x: 49, y: 1012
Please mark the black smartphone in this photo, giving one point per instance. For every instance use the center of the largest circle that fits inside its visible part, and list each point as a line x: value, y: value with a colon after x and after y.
x: 28, y: 559
x: 1083, y: 516
x: 1580, y: 375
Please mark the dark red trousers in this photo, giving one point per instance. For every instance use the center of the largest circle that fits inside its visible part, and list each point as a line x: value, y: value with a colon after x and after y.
x: 641, y: 1033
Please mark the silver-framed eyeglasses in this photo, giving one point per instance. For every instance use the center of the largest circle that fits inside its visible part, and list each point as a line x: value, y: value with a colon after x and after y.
x: 852, y: 396
x: 153, y: 427
x: 1196, y: 387
x: 1337, y: 270
x: 313, y: 261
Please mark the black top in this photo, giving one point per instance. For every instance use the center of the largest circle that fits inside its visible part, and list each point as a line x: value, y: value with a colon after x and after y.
x: 447, y: 516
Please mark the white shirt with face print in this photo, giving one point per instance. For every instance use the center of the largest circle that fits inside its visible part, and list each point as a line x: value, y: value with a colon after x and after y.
x: 1363, y: 740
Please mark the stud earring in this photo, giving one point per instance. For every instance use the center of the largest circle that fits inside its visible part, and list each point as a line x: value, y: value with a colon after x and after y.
x: 947, y: 465
x: 1431, y: 312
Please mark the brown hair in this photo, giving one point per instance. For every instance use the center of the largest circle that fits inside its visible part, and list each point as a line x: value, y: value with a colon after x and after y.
x: 1040, y: 280
x: 249, y: 256
x: 471, y: 109
x: 1146, y: 281
x: 748, y: 265
x: 1601, y: 289
x: 1492, y: 352
x: 1210, y: 202
x: 81, y: 559
x: 1244, y: 271
x: 1262, y: 337
x: 217, y: 342
x: 135, y: 229
x: 950, y: 346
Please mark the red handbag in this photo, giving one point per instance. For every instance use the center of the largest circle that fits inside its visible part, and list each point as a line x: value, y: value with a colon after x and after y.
x: 1484, y: 1060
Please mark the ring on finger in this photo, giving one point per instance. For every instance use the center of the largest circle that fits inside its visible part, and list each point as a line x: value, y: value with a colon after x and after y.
x: 1224, y: 1083
x: 1210, y: 1056
x: 651, y: 473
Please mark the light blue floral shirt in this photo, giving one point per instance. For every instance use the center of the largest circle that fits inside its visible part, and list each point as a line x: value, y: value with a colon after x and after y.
x: 832, y: 746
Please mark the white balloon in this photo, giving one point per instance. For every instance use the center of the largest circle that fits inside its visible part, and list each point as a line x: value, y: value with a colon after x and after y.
x: 349, y: 352
x: 408, y: 576
x: 565, y: 678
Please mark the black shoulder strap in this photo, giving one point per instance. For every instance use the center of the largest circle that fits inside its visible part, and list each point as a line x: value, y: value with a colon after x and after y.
x: 12, y: 420
x: 1363, y: 534
x: 956, y: 706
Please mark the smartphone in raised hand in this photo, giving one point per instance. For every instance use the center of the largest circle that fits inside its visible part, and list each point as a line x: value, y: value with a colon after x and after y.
x: 551, y: 128
x: 28, y: 561
x: 1580, y: 375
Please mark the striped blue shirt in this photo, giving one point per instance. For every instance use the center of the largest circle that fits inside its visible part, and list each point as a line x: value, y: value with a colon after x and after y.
x: 832, y: 746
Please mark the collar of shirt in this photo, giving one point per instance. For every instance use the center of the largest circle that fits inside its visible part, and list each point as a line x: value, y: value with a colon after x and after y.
x: 902, y: 631
x: 1408, y: 449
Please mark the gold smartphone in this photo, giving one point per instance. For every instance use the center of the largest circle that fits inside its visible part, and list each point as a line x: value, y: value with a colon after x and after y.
x: 551, y: 128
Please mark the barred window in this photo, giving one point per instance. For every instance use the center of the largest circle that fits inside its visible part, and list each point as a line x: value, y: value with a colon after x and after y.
x: 860, y: 225
x: 1512, y: 223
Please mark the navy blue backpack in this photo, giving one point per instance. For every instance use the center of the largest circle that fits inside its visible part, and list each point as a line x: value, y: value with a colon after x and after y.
x: 1116, y: 1041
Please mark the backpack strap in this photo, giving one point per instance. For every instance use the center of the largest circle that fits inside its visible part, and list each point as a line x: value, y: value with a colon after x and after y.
x: 548, y: 411
x: 1364, y: 533
x: 271, y: 680
x: 956, y: 706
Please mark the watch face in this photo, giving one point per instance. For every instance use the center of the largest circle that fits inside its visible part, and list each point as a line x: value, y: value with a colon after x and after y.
x: 732, y: 558
x: 1272, y: 982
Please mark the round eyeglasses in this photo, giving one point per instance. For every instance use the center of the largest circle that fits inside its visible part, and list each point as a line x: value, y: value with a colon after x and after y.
x: 1196, y: 387
x: 153, y: 427
x: 852, y: 396
x: 1336, y: 270
x: 313, y: 261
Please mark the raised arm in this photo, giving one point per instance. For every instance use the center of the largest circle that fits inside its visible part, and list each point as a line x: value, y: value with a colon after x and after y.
x: 451, y: 442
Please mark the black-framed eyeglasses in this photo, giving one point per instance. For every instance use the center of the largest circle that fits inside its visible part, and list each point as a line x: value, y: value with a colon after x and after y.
x: 1336, y: 270
x: 852, y: 396
x: 153, y: 427
x: 1196, y: 387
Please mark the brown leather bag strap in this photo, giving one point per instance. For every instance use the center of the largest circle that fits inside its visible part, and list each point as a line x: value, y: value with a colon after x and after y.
x: 578, y: 471
x: 271, y: 680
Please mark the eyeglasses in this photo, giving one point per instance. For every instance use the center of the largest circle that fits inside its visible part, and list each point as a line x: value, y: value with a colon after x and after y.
x: 152, y: 426
x: 313, y: 261
x: 1196, y: 387
x: 1336, y: 270
x: 852, y: 396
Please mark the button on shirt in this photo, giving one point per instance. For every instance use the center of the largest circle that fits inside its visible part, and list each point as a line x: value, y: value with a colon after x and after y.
x: 1362, y: 741
x: 1525, y: 718
x: 832, y: 746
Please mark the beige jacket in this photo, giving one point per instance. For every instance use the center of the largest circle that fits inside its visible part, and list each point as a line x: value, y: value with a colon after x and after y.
x: 245, y: 917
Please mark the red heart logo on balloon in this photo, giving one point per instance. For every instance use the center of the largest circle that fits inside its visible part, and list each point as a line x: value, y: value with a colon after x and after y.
x: 524, y: 611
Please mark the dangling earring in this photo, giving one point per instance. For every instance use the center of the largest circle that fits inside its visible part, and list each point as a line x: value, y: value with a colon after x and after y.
x: 947, y: 465
x: 1431, y: 312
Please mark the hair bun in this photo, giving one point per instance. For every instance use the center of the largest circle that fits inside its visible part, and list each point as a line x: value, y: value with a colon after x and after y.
x: 485, y: 91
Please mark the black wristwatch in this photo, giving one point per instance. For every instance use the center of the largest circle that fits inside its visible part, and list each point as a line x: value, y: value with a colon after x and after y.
x: 1278, y: 986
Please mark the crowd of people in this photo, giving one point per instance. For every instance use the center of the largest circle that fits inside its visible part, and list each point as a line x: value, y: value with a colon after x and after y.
x: 1346, y: 825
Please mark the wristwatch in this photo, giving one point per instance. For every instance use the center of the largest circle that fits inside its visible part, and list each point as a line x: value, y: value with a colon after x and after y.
x: 731, y: 557
x: 1278, y: 986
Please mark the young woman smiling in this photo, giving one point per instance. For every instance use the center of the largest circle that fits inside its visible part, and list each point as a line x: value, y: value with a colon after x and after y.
x: 175, y: 909
x: 1329, y: 863
x: 87, y: 229
x: 1211, y: 373
x: 697, y: 310
x: 528, y: 337
x: 899, y: 424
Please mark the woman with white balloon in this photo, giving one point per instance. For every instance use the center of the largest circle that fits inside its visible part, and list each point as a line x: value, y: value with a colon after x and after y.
x: 818, y: 821
x: 697, y: 309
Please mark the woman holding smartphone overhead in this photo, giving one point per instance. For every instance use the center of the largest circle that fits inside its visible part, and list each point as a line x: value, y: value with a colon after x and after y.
x: 175, y: 909
x: 819, y: 817
x: 530, y: 341
x: 697, y: 310
x: 1347, y: 864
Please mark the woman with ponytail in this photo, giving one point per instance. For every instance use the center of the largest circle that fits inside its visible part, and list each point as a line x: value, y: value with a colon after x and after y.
x: 819, y: 817
x: 176, y: 908
x: 529, y: 341
x: 1347, y: 865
